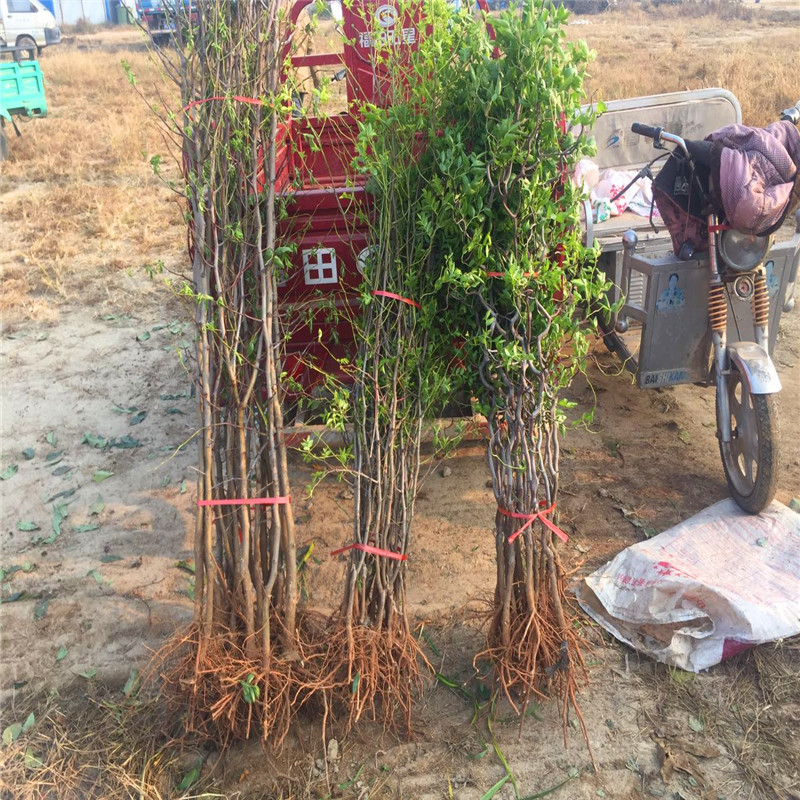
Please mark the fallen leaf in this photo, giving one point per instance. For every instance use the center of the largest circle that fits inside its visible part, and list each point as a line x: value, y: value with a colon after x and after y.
x: 138, y: 417
x: 12, y: 733
x: 89, y: 674
x: 186, y: 566
x: 143, y: 337
x: 101, y: 475
x: 86, y: 527
x: 132, y: 684
x: 51, y: 438
x: 28, y: 453
x: 61, y: 495
x: 97, y: 507
x: 32, y: 761
x: 29, y: 722
x: 94, y: 440
x: 9, y: 472
x: 62, y: 653
x: 109, y: 559
x: 27, y: 525
x: 126, y: 442
x: 190, y: 778
x: 684, y: 436
x: 62, y: 471
x: 40, y: 609
x: 697, y: 725
x: 183, y: 487
x: 96, y: 575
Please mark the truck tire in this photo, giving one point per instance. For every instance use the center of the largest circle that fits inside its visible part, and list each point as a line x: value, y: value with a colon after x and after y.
x: 25, y: 49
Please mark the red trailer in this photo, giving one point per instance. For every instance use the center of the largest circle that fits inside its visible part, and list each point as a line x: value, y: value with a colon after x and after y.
x: 327, y: 204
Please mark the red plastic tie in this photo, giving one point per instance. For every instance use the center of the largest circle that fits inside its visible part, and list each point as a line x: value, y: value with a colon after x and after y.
x: 503, y: 274
x: 393, y: 296
x: 375, y: 551
x: 251, y: 501
x: 531, y: 518
x: 253, y: 101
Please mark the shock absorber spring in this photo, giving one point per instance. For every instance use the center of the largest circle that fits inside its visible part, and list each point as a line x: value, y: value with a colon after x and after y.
x: 760, y: 301
x: 717, y: 307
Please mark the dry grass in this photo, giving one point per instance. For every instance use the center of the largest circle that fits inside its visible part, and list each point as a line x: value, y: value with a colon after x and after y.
x: 748, y: 705
x: 96, y: 746
x: 674, y: 49
x: 81, y: 203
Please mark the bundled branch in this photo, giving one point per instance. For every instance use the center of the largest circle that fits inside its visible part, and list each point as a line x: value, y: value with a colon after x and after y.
x: 244, y: 643
x: 502, y: 158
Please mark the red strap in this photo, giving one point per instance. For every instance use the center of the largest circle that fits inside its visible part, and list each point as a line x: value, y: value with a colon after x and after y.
x: 719, y: 228
x: 251, y: 501
x: 253, y: 101
x: 393, y: 296
x: 368, y: 548
x: 531, y: 518
x: 503, y: 274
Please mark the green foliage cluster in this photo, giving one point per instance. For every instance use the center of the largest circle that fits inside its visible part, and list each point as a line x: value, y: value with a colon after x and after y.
x: 469, y: 163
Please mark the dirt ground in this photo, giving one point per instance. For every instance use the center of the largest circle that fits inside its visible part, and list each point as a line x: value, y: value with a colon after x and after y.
x: 98, y: 416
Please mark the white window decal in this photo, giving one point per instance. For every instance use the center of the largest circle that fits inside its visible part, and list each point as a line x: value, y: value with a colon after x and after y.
x: 319, y: 266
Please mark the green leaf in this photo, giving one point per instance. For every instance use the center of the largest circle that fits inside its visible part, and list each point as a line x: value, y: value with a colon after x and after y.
x: 183, y: 487
x: 143, y: 337
x: 86, y: 527
x: 190, y: 778
x: 186, y: 566
x: 12, y: 733
x: 64, y: 494
x: 101, y: 475
x: 97, y: 507
x: 190, y: 589
x: 27, y: 525
x: 28, y: 453
x: 62, y: 471
x: 62, y: 653
x: 696, y: 724
x: 32, y: 761
x: 93, y: 573
x: 51, y: 438
x: 138, y: 417
x: 684, y: 436
x: 89, y: 674
x: 94, y: 440
x: 54, y: 457
x: 126, y: 442
x: 9, y: 472
x: 132, y: 684
x: 60, y: 513
x: 109, y: 559
x: 354, y: 685
x: 496, y: 788
x: 40, y: 609
x: 28, y: 724
x: 123, y: 410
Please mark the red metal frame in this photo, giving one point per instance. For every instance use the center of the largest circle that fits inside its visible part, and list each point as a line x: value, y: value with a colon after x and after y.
x: 327, y: 205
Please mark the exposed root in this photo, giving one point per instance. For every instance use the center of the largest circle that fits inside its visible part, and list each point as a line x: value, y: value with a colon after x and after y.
x: 370, y: 673
x: 210, y: 684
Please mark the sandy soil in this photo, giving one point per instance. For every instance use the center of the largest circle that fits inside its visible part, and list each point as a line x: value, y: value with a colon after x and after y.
x: 109, y: 594
x: 110, y: 492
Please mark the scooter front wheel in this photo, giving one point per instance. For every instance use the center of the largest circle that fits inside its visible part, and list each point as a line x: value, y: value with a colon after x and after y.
x: 751, y: 457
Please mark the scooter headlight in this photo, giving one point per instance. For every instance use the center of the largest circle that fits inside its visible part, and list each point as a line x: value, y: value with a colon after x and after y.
x: 743, y: 251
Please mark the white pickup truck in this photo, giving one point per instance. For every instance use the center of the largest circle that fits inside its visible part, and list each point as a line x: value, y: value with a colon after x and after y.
x: 26, y: 27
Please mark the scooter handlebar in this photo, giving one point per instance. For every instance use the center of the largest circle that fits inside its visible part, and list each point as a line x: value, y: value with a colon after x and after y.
x: 792, y: 114
x: 647, y: 130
